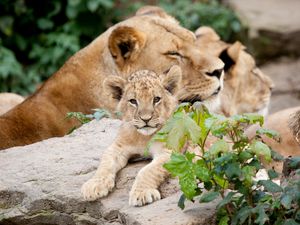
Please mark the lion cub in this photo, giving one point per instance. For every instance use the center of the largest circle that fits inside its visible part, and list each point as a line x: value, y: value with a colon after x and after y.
x: 146, y: 101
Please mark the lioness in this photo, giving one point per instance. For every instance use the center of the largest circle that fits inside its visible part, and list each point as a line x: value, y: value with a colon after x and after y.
x: 246, y: 87
x: 146, y: 102
x: 140, y: 42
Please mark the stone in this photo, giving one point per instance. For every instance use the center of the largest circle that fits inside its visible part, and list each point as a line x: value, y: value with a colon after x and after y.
x: 40, y: 184
x: 273, y: 26
x: 286, y: 92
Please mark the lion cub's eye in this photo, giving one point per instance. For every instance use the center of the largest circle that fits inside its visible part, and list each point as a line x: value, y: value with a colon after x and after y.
x: 133, y: 101
x: 156, y: 100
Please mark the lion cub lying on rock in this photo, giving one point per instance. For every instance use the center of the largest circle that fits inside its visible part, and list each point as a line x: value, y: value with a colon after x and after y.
x: 146, y: 101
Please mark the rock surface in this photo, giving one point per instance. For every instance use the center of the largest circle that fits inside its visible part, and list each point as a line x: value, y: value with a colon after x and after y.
x: 285, y: 75
x: 273, y: 26
x: 40, y: 184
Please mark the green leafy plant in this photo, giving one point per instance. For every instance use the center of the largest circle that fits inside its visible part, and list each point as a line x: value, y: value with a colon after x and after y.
x: 85, y: 118
x: 225, y: 170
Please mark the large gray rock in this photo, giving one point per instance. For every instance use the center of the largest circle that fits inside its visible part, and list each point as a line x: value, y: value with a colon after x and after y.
x: 285, y: 75
x: 40, y: 184
x: 273, y: 26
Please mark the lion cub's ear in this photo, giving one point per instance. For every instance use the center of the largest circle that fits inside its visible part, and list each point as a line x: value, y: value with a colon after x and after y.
x: 125, y: 43
x: 171, y: 81
x: 114, y: 86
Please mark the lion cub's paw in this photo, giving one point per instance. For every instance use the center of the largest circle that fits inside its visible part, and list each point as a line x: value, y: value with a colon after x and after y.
x: 143, y: 197
x: 97, y: 187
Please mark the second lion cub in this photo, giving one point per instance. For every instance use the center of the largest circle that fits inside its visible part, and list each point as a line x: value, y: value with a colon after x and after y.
x: 146, y: 101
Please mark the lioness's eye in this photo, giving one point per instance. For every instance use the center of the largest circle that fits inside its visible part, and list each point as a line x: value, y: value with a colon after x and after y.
x: 174, y: 53
x: 133, y: 101
x: 156, y: 99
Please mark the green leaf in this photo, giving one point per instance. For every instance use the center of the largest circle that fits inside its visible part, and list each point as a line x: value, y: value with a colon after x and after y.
x: 181, y: 201
x: 82, y: 118
x: 295, y: 162
x: 254, y: 118
x: 93, y: 5
x: 272, y: 174
x: 6, y: 25
x: 209, y: 196
x: 202, y: 173
x: 101, y: 113
x: 290, y: 222
x: 248, y: 174
x: 200, y: 115
x: 216, y: 148
x: 270, y: 186
x: 245, y: 155
x: 224, y: 220
x: 45, y: 24
x: 276, y: 156
x: 208, y: 185
x: 255, y: 163
x: 241, y: 215
x: 220, y: 181
x: 188, y: 185
x: 261, y: 149
x: 226, y: 200
x: 269, y: 133
x: 233, y: 170
x: 178, y: 165
x: 286, y: 201
x: 262, y: 216
x: 178, y: 128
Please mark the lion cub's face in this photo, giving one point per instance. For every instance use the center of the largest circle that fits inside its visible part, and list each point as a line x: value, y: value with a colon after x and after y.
x: 146, y: 100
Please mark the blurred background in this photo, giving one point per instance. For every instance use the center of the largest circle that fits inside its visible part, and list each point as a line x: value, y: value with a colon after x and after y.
x: 37, y: 37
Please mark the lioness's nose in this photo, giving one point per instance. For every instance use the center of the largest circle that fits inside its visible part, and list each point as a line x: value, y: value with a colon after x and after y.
x: 216, y: 73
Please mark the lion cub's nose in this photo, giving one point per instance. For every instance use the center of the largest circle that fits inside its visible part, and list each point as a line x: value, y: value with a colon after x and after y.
x: 146, y: 119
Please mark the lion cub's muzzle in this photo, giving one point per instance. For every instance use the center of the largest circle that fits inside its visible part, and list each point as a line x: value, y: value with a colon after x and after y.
x: 147, y: 126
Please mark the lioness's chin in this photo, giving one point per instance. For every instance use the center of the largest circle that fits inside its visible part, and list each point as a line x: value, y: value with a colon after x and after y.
x: 264, y: 111
x: 147, y: 130
x: 213, y: 103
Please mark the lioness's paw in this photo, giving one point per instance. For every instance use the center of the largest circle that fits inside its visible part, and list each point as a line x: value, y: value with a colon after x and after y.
x: 143, y: 197
x: 97, y: 187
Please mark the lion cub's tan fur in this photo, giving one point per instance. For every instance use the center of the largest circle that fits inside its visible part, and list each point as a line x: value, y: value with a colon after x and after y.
x: 146, y: 101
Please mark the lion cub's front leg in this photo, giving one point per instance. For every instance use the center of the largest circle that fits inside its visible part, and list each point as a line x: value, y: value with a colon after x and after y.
x: 103, y: 181
x: 145, y: 186
x: 114, y: 159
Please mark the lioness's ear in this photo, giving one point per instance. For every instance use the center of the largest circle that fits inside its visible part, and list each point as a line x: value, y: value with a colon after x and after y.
x: 114, y: 86
x: 227, y: 60
x: 231, y: 55
x: 155, y: 11
x: 172, y: 79
x: 208, y: 33
x: 125, y: 43
x: 235, y: 49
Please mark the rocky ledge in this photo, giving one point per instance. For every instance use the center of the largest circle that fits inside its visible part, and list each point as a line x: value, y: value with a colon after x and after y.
x: 40, y: 184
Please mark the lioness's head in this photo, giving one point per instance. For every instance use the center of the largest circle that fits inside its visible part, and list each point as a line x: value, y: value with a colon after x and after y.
x: 154, y: 41
x: 246, y: 87
x: 145, y: 99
